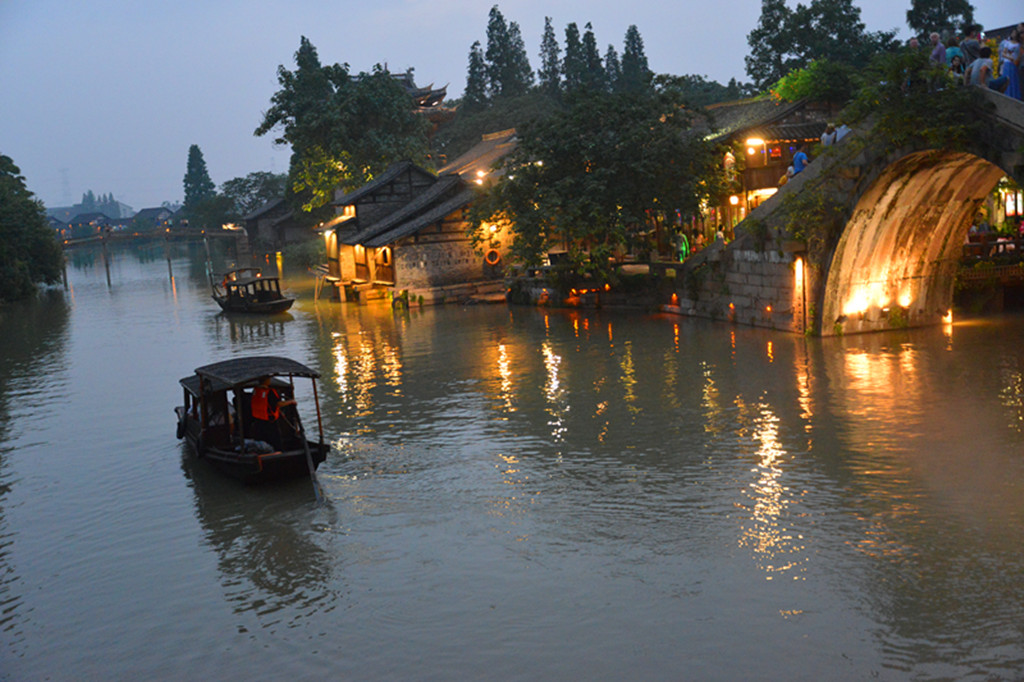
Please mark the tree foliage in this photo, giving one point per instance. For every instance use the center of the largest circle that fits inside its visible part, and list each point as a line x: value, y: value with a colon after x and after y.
x: 343, y: 130
x: 600, y: 174
x: 941, y: 16
x: 786, y: 39
x: 897, y: 93
x: 475, y: 96
x: 29, y: 252
x: 821, y: 80
x: 550, y: 73
x: 635, y: 73
x: 252, y: 191
x: 197, y: 182
x: 508, y: 68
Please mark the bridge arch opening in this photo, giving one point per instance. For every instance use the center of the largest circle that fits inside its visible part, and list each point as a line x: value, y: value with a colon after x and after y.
x: 896, y: 262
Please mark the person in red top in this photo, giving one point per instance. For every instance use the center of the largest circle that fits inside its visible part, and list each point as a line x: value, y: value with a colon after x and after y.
x: 265, y: 402
x: 266, y: 409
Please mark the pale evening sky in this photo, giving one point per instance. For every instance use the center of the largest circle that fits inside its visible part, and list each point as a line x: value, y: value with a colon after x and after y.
x: 108, y: 95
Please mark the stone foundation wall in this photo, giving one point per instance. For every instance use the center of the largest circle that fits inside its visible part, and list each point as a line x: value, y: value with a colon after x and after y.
x: 419, y: 266
x: 759, y: 288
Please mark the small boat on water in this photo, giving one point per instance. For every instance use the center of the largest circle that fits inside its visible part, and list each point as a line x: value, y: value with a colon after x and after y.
x: 240, y: 415
x: 247, y: 290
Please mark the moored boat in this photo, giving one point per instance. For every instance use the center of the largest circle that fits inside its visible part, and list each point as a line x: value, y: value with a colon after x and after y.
x: 247, y: 290
x: 241, y: 416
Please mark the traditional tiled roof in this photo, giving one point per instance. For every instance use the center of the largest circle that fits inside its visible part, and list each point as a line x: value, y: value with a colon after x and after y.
x: 267, y: 207
x: 729, y: 118
x: 387, y: 176
x: 417, y: 223
x: 421, y: 202
x: 484, y: 155
x: 788, y: 131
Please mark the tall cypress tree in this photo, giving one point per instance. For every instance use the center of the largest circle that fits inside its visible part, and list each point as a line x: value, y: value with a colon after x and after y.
x: 197, y: 182
x: 475, y: 96
x: 550, y: 60
x: 574, y: 65
x: 636, y: 75
x: 520, y: 75
x: 594, y: 74
x: 613, y: 69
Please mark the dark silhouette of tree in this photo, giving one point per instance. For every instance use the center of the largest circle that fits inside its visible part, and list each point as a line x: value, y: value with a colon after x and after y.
x: 29, y: 252
x: 197, y: 183
x: 550, y: 73
x: 636, y: 75
x: 942, y: 16
x: 343, y: 130
x: 508, y: 68
x: 475, y: 96
x: 594, y: 77
x: 574, y: 66
x: 613, y: 69
x: 786, y: 39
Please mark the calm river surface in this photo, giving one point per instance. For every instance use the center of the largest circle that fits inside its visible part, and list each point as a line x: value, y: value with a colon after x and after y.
x: 513, y: 493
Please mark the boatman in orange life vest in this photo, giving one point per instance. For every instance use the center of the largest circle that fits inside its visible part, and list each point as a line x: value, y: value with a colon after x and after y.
x: 266, y: 407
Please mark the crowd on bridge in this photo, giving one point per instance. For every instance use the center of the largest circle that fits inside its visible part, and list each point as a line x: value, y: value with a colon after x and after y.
x: 970, y: 60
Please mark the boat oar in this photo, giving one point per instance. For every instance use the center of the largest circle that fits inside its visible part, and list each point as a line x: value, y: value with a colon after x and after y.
x: 309, y: 462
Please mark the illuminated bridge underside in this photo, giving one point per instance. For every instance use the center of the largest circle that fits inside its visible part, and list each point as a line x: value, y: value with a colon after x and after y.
x: 896, y: 261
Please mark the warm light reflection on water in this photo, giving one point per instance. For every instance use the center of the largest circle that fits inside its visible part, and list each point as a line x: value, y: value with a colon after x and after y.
x: 775, y: 546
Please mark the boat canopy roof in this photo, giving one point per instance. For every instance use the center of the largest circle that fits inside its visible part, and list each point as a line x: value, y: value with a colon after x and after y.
x: 245, y: 371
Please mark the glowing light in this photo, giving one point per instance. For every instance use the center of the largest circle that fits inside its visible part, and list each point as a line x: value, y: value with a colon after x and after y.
x: 754, y: 142
x: 734, y: 200
x: 768, y: 309
x: 675, y: 299
x: 948, y: 317
x: 904, y: 300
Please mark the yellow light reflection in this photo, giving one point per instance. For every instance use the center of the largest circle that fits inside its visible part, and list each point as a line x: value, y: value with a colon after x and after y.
x: 554, y: 392
x: 775, y: 547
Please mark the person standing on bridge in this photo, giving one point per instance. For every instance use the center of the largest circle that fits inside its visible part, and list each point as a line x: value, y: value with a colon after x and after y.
x: 1009, y: 61
x: 800, y: 159
x: 971, y: 45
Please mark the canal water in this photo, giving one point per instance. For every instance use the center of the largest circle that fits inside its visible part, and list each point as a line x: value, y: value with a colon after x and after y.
x: 513, y: 493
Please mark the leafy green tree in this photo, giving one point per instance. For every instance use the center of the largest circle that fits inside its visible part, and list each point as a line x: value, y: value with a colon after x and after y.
x: 343, y: 130
x: 29, y: 252
x: 698, y: 91
x: 942, y: 16
x: 822, y: 81
x: 601, y: 174
x: 213, y: 212
x: 636, y: 75
x: 786, y: 39
x: 252, y: 191
x: 475, y: 96
x: 197, y: 182
x: 550, y: 73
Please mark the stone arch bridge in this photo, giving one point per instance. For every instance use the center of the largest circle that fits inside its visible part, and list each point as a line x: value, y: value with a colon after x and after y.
x: 889, y: 260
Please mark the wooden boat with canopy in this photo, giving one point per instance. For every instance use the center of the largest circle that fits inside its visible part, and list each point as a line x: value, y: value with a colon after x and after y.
x: 247, y: 290
x: 241, y: 416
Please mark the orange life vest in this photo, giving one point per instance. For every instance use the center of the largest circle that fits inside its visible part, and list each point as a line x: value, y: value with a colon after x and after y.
x: 261, y: 403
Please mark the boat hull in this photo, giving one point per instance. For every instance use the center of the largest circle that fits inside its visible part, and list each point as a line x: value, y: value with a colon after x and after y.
x: 251, y: 466
x: 256, y: 307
